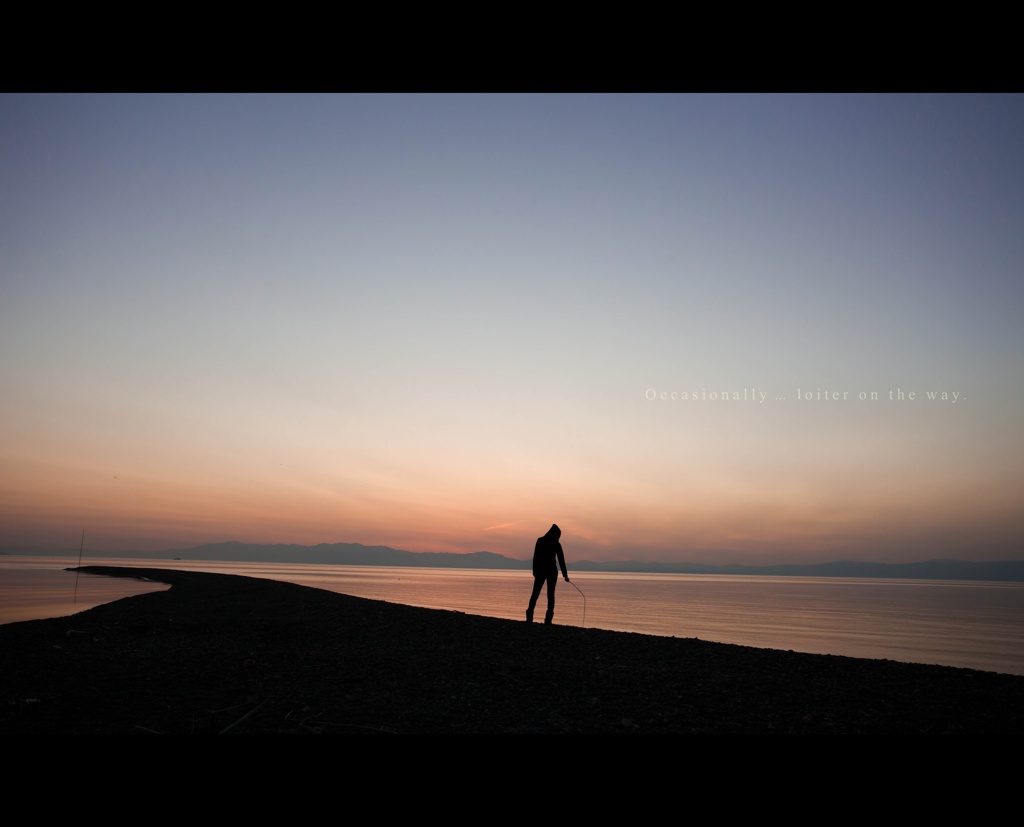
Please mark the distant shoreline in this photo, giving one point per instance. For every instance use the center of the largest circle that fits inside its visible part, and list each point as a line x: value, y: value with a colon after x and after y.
x: 356, y: 554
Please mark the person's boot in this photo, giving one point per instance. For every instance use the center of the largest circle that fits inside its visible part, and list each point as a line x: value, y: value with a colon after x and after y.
x: 547, y: 617
x: 529, y: 615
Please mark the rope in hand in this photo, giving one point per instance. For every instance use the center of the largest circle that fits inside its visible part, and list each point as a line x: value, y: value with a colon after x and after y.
x: 567, y: 580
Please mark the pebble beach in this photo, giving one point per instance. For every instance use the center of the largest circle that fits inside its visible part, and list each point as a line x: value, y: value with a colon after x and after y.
x: 226, y: 654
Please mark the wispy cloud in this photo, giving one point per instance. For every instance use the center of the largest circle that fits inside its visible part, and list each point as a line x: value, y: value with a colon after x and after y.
x: 502, y: 525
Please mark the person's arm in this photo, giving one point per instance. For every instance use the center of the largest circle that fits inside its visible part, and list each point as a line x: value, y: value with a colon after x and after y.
x: 561, y: 562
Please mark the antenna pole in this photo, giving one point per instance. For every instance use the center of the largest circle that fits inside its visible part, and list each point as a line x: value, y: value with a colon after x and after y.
x: 78, y: 571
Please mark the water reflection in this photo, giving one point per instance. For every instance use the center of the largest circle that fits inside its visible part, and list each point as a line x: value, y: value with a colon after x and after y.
x: 977, y: 625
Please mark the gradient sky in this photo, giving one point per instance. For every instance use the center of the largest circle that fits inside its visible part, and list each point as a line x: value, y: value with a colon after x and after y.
x: 435, y: 322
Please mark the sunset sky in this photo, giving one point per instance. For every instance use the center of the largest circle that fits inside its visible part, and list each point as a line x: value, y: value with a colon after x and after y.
x: 444, y: 322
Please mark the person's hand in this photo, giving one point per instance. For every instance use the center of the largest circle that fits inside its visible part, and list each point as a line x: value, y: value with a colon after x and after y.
x: 566, y: 578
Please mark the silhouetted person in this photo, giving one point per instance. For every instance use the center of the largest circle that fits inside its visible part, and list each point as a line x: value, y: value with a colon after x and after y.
x: 545, y: 554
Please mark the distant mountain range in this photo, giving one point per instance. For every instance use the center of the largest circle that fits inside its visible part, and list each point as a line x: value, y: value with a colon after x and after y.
x: 356, y: 554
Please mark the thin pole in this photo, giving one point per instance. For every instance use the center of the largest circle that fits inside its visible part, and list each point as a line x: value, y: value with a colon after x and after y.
x: 78, y: 572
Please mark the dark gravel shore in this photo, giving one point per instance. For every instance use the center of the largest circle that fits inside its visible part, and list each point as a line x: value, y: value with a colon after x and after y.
x: 221, y: 653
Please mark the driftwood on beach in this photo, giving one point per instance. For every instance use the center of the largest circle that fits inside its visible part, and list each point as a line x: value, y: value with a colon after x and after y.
x: 229, y: 654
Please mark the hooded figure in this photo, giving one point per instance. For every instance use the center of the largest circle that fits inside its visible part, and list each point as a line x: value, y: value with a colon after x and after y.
x: 545, y: 554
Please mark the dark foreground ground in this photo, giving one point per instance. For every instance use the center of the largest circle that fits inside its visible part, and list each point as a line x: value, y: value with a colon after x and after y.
x: 221, y: 653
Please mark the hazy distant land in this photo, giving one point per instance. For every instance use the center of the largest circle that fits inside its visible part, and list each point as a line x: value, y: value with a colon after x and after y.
x: 356, y: 554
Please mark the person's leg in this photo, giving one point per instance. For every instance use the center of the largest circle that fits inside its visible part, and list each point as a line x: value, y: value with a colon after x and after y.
x: 552, y: 582
x: 537, y: 583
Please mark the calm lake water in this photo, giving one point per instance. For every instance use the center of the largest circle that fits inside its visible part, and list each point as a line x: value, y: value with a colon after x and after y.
x: 979, y: 625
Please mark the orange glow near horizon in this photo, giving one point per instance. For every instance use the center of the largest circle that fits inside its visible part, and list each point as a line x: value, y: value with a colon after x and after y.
x: 716, y: 520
